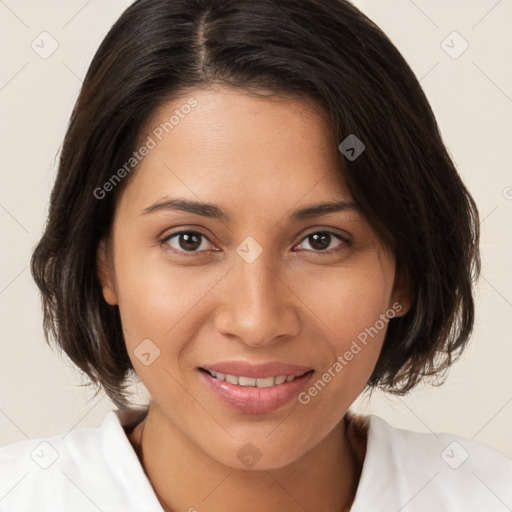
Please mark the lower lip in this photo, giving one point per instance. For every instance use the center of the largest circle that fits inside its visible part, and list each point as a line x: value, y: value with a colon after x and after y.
x: 254, y: 400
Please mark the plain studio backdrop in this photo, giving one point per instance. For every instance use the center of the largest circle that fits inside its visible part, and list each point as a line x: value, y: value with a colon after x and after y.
x: 461, y: 52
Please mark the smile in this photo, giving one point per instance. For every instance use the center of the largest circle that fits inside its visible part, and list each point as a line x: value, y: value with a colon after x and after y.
x: 241, y: 380
x: 254, y: 389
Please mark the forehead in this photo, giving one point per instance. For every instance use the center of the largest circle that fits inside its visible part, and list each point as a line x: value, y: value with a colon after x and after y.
x: 236, y: 149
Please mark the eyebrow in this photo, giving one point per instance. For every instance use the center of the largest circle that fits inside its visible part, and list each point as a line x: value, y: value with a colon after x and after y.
x: 213, y: 211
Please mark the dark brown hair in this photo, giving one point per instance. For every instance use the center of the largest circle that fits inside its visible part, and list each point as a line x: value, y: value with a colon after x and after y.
x: 405, y: 182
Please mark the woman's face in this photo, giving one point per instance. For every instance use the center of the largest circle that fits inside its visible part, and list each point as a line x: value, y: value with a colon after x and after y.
x: 260, y: 291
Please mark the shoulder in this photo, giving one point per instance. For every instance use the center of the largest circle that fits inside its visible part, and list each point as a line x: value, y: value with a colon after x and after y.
x: 413, y: 471
x: 84, y: 469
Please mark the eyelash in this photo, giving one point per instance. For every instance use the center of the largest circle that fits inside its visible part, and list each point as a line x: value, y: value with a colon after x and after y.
x: 346, y: 242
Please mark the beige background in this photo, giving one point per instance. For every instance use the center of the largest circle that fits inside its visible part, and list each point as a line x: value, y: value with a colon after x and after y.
x: 471, y: 96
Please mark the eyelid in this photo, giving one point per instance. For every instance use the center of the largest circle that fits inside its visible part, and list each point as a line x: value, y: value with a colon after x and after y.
x: 346, y: 241
x: 165, y: 238
x: 318, y: 229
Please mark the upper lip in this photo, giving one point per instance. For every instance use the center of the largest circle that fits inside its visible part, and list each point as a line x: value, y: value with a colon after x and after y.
x: 257, y: 371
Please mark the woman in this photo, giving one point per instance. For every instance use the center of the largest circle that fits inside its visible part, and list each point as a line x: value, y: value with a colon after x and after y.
x: 255, y: 215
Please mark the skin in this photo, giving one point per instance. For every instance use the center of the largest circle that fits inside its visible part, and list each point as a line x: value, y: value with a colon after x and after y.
x: 258, y: 159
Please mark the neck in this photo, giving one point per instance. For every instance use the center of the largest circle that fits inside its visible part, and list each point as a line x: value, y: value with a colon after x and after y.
x: 186, y: 478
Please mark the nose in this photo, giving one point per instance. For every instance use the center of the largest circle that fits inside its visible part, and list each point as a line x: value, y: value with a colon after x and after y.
x: 256, y: 304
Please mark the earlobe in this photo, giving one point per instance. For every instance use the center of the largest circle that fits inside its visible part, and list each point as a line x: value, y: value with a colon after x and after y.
x: 105, y: 272
x: 399, y: 308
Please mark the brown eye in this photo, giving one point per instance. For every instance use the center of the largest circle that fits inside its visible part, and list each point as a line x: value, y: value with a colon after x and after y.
x: 324, y: 242
x: 186, y: 241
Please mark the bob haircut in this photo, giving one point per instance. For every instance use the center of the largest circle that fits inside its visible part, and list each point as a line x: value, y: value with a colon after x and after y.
x: 404, y: 183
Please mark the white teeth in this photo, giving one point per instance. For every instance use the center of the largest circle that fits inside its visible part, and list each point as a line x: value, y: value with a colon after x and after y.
x: 246, y: 381
x: 265, y: 382
x: 232, y: 379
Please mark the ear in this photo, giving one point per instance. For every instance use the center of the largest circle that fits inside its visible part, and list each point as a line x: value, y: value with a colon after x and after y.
x: 401, y: 298
x: 105, y: 272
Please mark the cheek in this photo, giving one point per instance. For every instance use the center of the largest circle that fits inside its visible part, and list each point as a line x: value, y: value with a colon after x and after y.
x: 350, y: 300
x: 158, y: 301
x: 352, y: 306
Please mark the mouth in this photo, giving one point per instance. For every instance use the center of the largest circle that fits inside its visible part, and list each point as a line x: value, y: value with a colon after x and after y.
x: 255, y: 389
